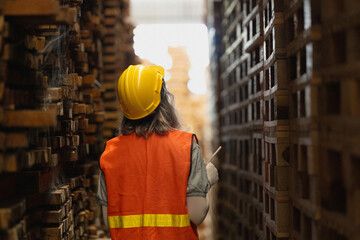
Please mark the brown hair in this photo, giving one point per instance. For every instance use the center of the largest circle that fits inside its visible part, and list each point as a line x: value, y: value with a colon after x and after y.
x: 162, y: 120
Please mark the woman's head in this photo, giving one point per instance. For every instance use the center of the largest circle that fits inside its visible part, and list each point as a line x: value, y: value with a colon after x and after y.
x: 146, y: 108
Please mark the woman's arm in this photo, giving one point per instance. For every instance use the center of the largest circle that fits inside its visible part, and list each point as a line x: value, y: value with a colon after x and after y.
x: 198, y: 208
x: 202, y: 177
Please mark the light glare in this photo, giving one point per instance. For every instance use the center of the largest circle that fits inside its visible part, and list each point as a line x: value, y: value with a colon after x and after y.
x: 151, y: 42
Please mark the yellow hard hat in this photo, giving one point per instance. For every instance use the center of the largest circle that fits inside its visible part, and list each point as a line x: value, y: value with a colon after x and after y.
x: 139, y: 89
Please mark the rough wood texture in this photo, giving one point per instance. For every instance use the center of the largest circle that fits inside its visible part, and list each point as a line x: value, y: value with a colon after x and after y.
x: 283, y: 106
x: 29, y: 118
x: 52, y: 71
x: 28, y: 7
x: 10, y: 212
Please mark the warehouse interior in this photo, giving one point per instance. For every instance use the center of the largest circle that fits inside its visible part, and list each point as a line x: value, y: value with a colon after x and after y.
x: 274, y: 82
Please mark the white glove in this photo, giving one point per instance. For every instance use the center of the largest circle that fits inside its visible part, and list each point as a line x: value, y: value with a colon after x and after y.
x: 212, y: 174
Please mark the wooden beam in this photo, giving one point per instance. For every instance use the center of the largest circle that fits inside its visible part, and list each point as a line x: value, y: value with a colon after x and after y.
x: 10, y: 212
x: 30, y: 7
x: 29, y: 118
x: 56, y: 197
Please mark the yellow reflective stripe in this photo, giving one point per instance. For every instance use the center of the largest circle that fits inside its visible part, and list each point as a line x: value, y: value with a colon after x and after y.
x: 149, y: 220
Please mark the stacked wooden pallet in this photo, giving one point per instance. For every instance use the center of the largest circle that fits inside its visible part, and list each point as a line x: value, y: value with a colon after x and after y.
x: 338, y: 149
x: 302, y: 40
x: 117, y: 54
x: 57, y: 220
x: 235, y: 123
x: 291, y: 155
x: 53, y: 78
x: 276, y: 123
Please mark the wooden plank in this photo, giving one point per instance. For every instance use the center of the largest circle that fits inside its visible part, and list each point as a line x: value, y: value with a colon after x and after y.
x: 110, y: 95
x: 89, y: 79
x: 54, y: 160
x: 111, y: 124
x: 2, y: 89
x: 68, y: 93
x: 99, y: 105
x: 69, y: 155
x: 68, y: 206
x: 110, y: 85
x: 29, y: 118
x: 89, y: 109
x: 58, y: 142
x: 111, y: 3
x: 16, y: 140
x: 72, y: 140
x: 37, y: 181
x: 79, y: 108
x: 2, y: 23
x: 69, y: 80
x: 11, y: 211
x: 52, y: 233
x: 56, y: 107
x: 75, y: 182
x: 113, y: 115
x: 10, y: 52
x: 32, y: 61
x: 56, y: 197
x: 29, y: 8
x: 95, y: 92
x: 68, y: 126
x: 12, y: 163
x: 111, y: 12
x: 80, y: 195
x: 53, y: 216
x: 66, y: 15
x: 67, y: 190
x: 97, y: 117
x: 17, y: 231
x: 108, y: 133
x: 109, y: 59
x: 33, y: 42
x: 90, y: 129
x: 89, y: 45
x: 85, y: 34
x: 111, y: 105
x: 83, y: 123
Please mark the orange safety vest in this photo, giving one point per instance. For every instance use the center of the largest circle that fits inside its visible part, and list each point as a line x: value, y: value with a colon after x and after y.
x: 146, y: 182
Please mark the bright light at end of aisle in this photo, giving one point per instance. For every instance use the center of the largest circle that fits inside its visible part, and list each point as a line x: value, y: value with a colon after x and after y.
x: 151, y: 42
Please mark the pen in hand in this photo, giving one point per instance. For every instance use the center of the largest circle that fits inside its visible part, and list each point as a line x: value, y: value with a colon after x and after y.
x: 212, y: 157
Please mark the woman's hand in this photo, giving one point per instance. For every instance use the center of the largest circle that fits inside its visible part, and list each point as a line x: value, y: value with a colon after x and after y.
x: 212, y: 173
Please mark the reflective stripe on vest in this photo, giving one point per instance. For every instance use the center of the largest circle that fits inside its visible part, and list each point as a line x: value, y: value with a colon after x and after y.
x: 149, y: 220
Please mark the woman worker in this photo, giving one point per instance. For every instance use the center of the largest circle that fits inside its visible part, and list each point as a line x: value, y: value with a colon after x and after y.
x: 154, y: 180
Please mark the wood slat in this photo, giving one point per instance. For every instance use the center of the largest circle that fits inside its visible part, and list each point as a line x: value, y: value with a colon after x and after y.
x: 28, y: 8
x: 29, y: 118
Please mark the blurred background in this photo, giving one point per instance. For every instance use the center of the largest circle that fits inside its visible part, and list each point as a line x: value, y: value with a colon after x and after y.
x: 274, y: 82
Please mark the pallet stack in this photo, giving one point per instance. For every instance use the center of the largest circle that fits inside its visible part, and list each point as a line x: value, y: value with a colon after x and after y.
x: 234, y: 193
x: 52, y: 114
x: 338, y: 147
x: 117, y: 53
x: 276, y: 123
x: 303, y: 39
x: 288, y: 118
x: 56, y: 215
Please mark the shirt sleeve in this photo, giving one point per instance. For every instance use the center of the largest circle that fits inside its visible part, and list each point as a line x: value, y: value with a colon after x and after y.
x: 101, y: 191
x: 198, y: 183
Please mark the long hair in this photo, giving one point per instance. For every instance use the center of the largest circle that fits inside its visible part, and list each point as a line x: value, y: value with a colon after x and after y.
x: 161, y: 121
